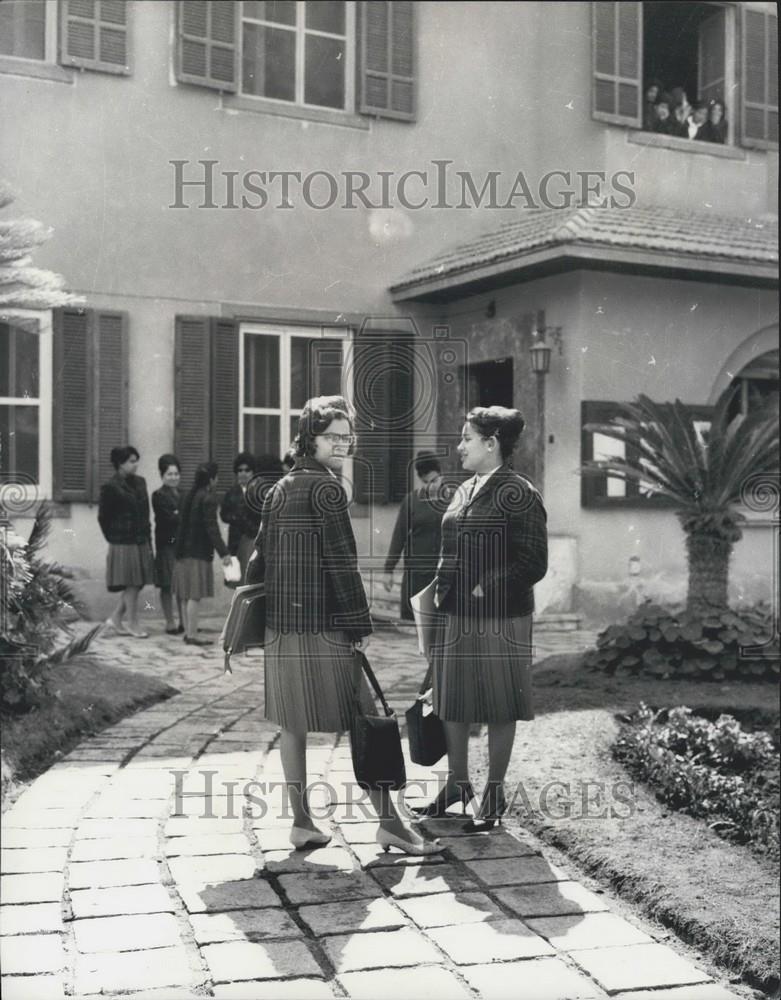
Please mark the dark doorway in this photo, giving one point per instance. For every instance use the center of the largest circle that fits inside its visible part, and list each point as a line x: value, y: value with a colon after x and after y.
x: 489, y: 383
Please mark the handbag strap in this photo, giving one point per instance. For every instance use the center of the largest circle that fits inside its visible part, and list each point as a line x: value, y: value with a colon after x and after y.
x: 426, y: 680
x: 364, y: 663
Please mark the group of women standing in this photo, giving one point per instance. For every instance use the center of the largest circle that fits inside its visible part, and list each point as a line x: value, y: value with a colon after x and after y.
x: 493, y: 549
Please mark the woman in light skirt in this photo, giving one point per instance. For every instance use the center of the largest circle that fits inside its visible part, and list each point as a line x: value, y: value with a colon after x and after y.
x: 317, y: 615
x: 123, y: 515
x: 494, y: 549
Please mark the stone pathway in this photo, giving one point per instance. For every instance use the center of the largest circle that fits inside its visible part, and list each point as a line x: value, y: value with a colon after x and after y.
x: 153, y: 861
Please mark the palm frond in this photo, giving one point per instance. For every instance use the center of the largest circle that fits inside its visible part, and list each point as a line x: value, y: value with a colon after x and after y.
x: 40, y: 530
x: 74, y: 648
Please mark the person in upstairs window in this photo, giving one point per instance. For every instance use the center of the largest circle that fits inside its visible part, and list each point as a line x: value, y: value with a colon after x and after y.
x: 165, y: 503
x: 664, y: 123
x: 123, y: 515
x: 697, y: 120
x: 242, y: 519
x: 682, y: 109
x: 715, y: 128
x: 652, y: 93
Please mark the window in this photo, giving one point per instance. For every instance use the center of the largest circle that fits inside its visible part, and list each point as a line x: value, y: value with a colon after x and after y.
x: 711, y: 51
x: 756, y: 385
x: 25, y: 404
x: 487, y: 383
x: 28, y: 29
x: 280, y: 368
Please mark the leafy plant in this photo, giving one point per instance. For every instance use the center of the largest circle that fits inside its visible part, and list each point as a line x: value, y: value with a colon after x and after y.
x: 38, y: 605
x: 703, y: 475
x: 713, y: 643
x: 714, y: 770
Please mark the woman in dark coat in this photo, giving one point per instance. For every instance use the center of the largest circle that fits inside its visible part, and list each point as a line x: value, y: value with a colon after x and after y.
x: 416, y: 533
x: 242, y: 518
x: 123, y: 515
x: 165, y: 503
x: 198, y: 537
x: 494, y: 549
x: 317, y: 615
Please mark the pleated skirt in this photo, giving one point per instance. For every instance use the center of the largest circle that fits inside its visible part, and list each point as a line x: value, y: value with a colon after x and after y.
x: 483, y: 674
x: 129, y: 566
x: 193, y: 579
x: 165, y: 564
x: 310, y: 681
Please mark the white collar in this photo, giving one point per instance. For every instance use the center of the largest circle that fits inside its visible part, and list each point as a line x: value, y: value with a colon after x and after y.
x: 481, y: 478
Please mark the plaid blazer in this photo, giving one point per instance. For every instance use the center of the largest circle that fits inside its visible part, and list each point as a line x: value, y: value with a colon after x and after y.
x: 499, y: 540
x: 305, y: 553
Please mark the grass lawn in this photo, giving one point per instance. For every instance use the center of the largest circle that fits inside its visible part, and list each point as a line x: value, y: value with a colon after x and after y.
x: 88, y: 696
x: 720, y: 897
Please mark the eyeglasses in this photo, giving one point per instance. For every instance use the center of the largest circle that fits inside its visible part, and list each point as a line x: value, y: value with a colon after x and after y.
x: 339, y: 438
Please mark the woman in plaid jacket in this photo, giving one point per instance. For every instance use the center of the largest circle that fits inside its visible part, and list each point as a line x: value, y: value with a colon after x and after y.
x: 494, y: 549
x: 317, y: 614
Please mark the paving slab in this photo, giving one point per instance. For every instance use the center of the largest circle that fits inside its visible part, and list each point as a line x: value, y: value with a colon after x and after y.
x: 276, y: 989
x: 103, y: 874
x: 32, y: 988
x: 243, y: 925
x: 536, y: 979
x: 419, y: 880
x: 114, y: 849
x: 551, y: 899
x: 39, y: 819
x: 445, y: 908
x: 17, y: 861
x: 110, y: 829
x: 492, y: 941
x: 33, y: 918
x: 36, y: 838
x: 322, y: 859
x: 134, y: 933
x: 365, y: 915
x: 359, y: 833
x: 638, y: 966
x: 527, y: 870
x: 705, y: 991
x: 380, y: 949
x: 242, y: 960
x: 588, y: 930
x: 485, y: 846
x: 324, y: 887
x: 207, y: 844
x: 41, y: 887
x: 120, y: 901
x: 373, y: 856
x: 122, y: 971
x: 184, y: 826
x: 213, y: 870
x: 245, y: 894
x: 430, y: 981
x: 31, y: 954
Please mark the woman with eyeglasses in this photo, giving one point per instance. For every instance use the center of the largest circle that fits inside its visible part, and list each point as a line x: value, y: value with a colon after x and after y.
x: 494, y: 549
x: 317, y: 614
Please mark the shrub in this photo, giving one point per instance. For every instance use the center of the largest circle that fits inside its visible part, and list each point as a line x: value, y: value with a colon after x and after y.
x: 38, y: 605
x: 664, y: 642
x: 714, y: 770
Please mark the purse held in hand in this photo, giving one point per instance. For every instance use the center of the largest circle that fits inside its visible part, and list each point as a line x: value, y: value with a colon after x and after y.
x: 245, y: 625
x: 375, y: 740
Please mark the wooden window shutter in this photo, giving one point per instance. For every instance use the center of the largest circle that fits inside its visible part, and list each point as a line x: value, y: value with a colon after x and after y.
x: 110, y: 392
x: 759, y: 79
x: 387, y: 59
x: 192, y: 377
x: 617, y: 32
x: 224, y: 397
x: 383, y: 377
x: 72, y: 405
x: 94, y: 34
x: 207, y: 43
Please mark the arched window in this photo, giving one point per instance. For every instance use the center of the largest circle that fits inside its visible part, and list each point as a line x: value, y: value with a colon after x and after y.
x: 756, y: 384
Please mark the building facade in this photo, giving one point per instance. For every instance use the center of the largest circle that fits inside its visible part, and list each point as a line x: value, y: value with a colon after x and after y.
x: 259, y: 202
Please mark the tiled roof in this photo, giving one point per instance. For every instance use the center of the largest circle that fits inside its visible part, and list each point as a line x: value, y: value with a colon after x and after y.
x: 665, y: 230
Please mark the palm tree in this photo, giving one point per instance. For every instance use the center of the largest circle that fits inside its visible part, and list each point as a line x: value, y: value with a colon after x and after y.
x: 703, y: 475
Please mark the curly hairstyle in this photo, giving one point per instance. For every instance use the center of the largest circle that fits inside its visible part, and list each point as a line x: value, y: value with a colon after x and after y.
x: 316, y: 417
x: 120, y: 455
x: 501, y: 422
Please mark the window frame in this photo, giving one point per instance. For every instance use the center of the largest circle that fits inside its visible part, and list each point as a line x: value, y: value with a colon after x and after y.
x: 286, y: 332
x: 48, y: 67
x: 275, y: 103
x: 39, y: 323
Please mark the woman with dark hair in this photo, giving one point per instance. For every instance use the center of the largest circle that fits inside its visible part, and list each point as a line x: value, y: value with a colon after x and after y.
x: 165, y: 503
x: 243, y: 519
x: 494, y: 549
x: 197, y: 538
x: 317, y: 615
x: 416, y: 533
x: 123, y: 515
x: 715, y: 128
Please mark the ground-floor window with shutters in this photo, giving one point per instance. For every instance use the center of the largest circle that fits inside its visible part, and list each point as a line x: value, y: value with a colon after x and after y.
x: 25, y: 405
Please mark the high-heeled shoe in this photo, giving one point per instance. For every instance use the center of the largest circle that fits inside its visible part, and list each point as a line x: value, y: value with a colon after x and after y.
x: 439, y: 807
x: 302, y: 838
x: 492, y: 808
x: 387, y: 840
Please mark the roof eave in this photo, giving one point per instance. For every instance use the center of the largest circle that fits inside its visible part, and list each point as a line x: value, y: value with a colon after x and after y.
x: 569, y: 256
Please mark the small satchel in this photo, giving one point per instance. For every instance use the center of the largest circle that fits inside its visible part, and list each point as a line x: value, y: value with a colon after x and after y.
x: 375, y: 740
x: 424, y: 729
x: 245, y: 625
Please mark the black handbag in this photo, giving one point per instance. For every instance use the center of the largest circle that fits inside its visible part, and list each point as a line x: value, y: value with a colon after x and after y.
x: 375, y: 740
x: 425, y: 731
x: 245, y: 625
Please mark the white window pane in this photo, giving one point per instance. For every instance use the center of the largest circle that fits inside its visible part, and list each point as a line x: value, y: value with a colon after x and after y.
x: 261, y: 434
x: 607, y: 447
x: 18, y: 362
x: 261, y: 371
x: 281, y: 11
x: 19, y: 443
x: 325, y: 15
x: 324, y: 71
x: 268, y: 62
x: 23, y: 28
